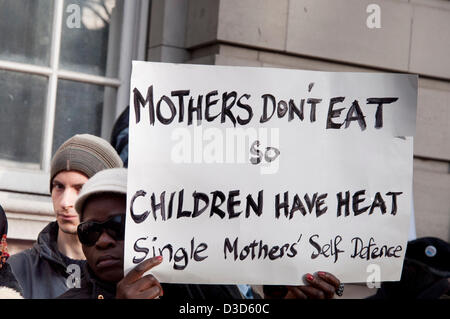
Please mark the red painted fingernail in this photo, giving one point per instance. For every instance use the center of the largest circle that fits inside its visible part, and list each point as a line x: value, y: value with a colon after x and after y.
x: 321, y: 274
x: 159, y: 258
x: 309, y: 277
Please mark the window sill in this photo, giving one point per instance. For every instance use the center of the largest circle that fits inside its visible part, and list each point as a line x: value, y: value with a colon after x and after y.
x: 27, y: 214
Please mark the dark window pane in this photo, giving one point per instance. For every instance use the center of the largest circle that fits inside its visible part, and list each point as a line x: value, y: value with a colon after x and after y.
x: 79, y: 109
x: 93, y: 47
x: 25, y: 30
x: 22, y: 109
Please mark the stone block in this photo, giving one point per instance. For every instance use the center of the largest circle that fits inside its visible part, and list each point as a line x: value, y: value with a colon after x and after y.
x: 239, y: 52
x: 168, y: 23
x: 431, y: 202
x: 439, y: 4
x: 303, y: 63
x: 259, y: 23
x: 235, y: 61
x: 337, y: 30
x: 202, y: 22
x: 430, y: 42
x: 165, y: 53
x: 432, y: 138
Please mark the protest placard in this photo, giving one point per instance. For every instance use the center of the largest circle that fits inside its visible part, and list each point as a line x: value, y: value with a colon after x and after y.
x: 261, y: 175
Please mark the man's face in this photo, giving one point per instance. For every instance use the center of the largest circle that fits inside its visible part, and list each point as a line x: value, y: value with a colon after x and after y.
x: 105, y: 257
x: 66, y: 186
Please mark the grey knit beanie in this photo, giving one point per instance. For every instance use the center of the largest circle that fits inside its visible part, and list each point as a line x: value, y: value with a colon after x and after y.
x: 84, y: 153
x: 107, y: 181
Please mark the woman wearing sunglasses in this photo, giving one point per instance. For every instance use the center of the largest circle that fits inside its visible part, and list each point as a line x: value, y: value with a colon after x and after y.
x: 101, y: 206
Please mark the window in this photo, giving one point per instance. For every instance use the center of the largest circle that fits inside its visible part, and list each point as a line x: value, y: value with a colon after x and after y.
x: 64, y: 69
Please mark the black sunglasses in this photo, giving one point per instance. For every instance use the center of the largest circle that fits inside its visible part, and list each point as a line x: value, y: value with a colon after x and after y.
x: 89, y: 232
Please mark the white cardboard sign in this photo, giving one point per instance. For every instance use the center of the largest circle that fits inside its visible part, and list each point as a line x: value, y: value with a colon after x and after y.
x: 242, y: 175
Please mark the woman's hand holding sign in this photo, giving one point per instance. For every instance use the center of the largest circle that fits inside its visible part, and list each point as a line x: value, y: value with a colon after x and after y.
x: 136, y: 286
x: 321, y: 286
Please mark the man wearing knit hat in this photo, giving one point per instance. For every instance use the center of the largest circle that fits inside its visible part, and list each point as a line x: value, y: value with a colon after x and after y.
x: 43, y: 270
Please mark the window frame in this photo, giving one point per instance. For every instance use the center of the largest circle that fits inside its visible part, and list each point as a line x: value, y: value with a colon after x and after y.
x: 135, y: 22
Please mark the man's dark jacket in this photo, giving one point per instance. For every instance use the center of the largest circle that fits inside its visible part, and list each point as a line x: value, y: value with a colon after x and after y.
x: 41, y: 270
x: 94, y: 288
